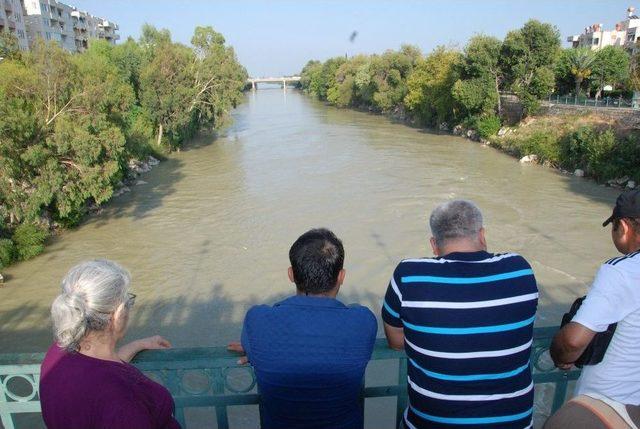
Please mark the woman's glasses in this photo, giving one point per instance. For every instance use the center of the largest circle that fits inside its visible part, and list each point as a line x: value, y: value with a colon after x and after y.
x: 131, y: 299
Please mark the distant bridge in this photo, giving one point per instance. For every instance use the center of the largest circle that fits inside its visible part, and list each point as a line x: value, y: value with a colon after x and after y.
x: 254, y: 81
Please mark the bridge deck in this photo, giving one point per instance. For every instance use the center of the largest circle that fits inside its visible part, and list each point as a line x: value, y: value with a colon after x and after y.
x: 209, y: 377
x: 273, y: 79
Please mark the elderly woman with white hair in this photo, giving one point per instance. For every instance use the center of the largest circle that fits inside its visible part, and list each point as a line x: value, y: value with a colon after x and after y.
x: 86, y: 382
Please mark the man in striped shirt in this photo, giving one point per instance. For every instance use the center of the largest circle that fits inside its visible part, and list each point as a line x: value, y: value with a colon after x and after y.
x: 465, y: 319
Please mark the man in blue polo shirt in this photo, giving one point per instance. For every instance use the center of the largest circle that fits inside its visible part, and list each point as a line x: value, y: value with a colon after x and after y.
x: 465, y: 319
x: 309, y: 352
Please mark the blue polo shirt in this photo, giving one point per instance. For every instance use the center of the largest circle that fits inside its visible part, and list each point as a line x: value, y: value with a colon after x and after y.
x: 309, y: 355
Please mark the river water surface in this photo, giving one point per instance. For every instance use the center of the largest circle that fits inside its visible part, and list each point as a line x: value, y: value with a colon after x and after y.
x: 208, y: 235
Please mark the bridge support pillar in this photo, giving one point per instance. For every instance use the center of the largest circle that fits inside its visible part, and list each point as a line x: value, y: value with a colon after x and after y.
x: 284, y: 84
x: 253, y: 85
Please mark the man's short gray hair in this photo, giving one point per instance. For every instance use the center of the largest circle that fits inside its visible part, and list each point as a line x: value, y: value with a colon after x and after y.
x: 455, y: 219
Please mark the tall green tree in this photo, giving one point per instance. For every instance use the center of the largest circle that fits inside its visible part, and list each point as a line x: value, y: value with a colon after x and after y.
x: 528, y: 57
x: 167, y: 90
x: 9, y: 47
x: 317, y: 78
x: 482, y: 62
x: 218, y: 77
x: 610, y: 67
x: 581, y: 63
x: 345, y: 92
x: 429, y: 86
x: 476, y: 96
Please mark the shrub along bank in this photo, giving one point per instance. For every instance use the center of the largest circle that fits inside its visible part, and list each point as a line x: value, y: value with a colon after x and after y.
x: 603, y: 150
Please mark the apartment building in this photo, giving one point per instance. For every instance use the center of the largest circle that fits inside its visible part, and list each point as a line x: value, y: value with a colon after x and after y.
x: 625, y: 34
x: 70, y: 28
x: 12, y: 19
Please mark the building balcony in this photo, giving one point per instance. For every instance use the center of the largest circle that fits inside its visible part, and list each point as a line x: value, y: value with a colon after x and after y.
x: 108, y: 25
x: 209, y: 378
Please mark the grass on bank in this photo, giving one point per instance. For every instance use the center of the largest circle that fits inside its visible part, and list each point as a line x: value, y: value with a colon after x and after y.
x: 603, y: 148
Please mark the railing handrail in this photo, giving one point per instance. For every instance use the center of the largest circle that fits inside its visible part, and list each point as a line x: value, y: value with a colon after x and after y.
x: 216, y: 363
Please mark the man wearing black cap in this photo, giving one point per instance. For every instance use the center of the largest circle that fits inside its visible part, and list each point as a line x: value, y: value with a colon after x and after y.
x: 613, y: 298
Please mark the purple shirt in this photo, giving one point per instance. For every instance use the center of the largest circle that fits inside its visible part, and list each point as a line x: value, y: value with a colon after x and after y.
x: 78, y: 391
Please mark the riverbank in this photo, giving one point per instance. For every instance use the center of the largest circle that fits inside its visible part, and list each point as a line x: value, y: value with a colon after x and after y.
x: 64, y: 154
x: 586, y: 145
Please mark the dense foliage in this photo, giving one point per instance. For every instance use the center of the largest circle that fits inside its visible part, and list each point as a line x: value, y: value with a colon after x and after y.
x: 452, y: 86
x: 446, y: 85
x: 69, y: 123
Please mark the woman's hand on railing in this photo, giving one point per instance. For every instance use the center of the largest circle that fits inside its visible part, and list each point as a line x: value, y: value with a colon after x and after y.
x: 128, y: 351
x: 236, y: 347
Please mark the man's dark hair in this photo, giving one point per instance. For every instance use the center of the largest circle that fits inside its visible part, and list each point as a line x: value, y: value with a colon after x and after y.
x: 317, y: 257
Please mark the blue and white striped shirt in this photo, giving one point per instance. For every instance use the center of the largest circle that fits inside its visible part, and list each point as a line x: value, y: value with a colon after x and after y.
x: 468, y: 326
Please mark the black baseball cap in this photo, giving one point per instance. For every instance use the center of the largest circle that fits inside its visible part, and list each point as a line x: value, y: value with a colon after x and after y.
x: 627, y: 205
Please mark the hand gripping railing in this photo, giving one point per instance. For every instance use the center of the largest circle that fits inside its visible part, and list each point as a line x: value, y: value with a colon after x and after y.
x: 210, y: 377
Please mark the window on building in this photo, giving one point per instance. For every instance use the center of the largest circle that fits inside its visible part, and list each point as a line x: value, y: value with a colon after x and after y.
x: 48, y: 36
x: 596, y: 41
x: 45, y: 21
x: 21, y: 34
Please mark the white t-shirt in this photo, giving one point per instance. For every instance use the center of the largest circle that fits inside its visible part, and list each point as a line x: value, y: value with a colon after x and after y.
x: 614, y: 298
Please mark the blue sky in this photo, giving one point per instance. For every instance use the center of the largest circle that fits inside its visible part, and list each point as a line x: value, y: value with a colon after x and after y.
x: 278, y: 37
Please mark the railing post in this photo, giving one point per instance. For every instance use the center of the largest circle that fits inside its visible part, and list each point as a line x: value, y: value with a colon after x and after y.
x: 6, y: 418
x: 560, y: 393
x: 173, y: 384
x: 218, y: 389
x: 402, y: 390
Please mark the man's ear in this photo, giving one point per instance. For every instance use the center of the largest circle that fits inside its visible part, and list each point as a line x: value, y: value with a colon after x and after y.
x: 434, y: 246
x: 481, y: 237
x: 341, y: 275
x: 290, y: 274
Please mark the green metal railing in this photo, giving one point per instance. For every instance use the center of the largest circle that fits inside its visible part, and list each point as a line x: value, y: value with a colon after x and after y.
x: 210, y: 377
x: 605, y: 102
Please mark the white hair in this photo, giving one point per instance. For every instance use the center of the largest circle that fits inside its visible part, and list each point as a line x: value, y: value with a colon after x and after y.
x: 455, y: 219
x: 91, y: 293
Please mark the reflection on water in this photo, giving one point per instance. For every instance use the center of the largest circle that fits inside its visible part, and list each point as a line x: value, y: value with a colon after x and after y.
x: 208, y: 235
